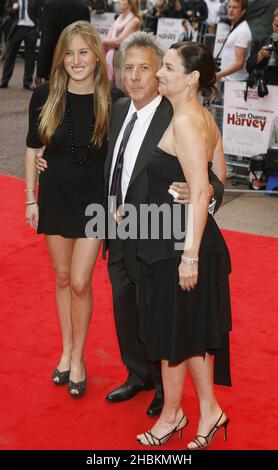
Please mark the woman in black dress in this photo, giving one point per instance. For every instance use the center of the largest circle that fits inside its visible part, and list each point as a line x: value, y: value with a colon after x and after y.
x: 185, y: 289
x: 70, y: 117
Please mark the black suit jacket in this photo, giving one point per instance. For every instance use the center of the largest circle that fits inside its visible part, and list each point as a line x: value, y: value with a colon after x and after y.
x: 137, y: 192
x: 56, y: 16
x: 11, y: 17
x: 35, y: 9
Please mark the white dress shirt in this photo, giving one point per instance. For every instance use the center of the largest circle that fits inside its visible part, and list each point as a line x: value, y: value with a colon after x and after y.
x: 25, y: 21
x: 135, y: 141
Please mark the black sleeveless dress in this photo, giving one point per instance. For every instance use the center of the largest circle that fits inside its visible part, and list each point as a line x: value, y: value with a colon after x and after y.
x: 66, y: 188
x: 175, y: 324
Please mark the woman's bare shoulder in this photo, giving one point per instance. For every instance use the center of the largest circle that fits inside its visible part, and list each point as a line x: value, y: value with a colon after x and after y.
x: 211, y: 119
x: 135, y: 22
x: 189, y: 123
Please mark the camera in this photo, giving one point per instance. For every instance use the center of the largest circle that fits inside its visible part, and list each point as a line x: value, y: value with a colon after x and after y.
x: 273, y: 49
x: 262, y: 88
x: 256, y: 78
x: 217, y: 63
x: 266, y: 71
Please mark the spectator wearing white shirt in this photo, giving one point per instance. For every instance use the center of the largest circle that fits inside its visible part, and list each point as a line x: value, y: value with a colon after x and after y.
x: 237, y: 46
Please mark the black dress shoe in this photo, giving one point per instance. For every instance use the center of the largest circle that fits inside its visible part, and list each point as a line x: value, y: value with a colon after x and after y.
x: 3, y: 85
x: 28, y: 87
x: 156, y: 404
x: 125, y: 392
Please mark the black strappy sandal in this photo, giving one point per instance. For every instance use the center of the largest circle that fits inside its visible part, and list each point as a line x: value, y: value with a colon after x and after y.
x: 208, y: 438
x: 152, y: 440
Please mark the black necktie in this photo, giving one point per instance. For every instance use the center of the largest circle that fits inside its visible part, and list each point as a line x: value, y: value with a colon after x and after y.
x: 22, y: 15
x: 116, y: 185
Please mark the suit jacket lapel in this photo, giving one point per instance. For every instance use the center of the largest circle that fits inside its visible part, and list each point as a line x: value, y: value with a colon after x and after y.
x: 159, y: 123
x: 117, y: 121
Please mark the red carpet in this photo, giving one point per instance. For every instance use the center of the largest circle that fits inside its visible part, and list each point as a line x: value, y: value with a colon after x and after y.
x: 37, y: 415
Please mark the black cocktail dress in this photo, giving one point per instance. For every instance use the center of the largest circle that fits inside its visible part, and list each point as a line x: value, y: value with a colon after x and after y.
x: 176, y: 324
x: 66, y: 188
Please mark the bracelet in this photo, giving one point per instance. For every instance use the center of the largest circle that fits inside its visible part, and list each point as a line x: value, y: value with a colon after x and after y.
x: 29, y: 190
x: 187, y: 260
x: 31, y: 202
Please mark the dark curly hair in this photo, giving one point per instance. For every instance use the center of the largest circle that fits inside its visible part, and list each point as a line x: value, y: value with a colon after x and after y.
x: 197, y: 56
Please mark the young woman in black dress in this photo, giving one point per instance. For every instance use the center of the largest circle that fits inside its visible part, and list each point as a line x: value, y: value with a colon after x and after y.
x: 186, y: 315
x: 70, y: 117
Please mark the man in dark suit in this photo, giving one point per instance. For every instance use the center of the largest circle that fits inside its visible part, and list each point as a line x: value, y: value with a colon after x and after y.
x: 56, y: 16
x: 142, y: 58
x: 22, y: 29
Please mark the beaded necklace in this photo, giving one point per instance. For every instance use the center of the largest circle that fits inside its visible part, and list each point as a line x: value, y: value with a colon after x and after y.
x: 77, y: 160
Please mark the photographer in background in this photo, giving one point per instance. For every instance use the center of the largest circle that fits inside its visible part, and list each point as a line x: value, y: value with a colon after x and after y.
x: 264, y: 55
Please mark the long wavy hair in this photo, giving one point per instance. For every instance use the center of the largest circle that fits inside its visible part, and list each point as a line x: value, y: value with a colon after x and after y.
x: 53, y: 110
x: 135, y: 7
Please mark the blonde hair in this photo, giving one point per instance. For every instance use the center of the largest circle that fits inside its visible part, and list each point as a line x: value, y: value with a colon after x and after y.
x: 135, y: 7
x: 53, y: 110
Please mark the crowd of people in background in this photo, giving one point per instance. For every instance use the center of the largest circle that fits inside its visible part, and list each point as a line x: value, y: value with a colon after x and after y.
x: 199, y: 17
x: 243, y: 53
